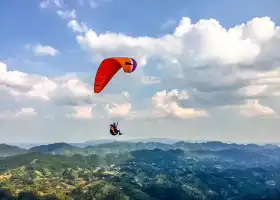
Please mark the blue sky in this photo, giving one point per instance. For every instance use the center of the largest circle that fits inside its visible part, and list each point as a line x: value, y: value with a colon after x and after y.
x: 201, y: 76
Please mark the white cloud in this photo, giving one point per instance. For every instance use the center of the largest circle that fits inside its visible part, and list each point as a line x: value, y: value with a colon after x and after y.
x: 43, y: 50
x: 65, y: 90
x: 192, y: 44
x: 82, y: 112
x: 118, y: 110
x: 66, y: 14
x: 261, y: 84
x: 166, y: 104
x: 211, y: 66
x: 253, y: 90
x: 219, y: 66
x: 76, y: 27
x: 3, y: 67
x: 197, y: 44
x: 254, y: 109
x: 48, y: 3
x: 22, y: 113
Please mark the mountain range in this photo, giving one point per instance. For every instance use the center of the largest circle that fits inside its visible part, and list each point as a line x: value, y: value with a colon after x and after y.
x: 144, y: 170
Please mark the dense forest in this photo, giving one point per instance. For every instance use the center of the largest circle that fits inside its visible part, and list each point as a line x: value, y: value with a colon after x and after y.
x: 141, y: 171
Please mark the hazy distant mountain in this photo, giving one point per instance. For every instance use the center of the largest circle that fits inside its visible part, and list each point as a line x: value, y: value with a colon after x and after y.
x: 104, y: 141
x: 56, y: 148
x: 107, y: 146
x: 25, y: 145
x: 271, y: 146
x: 198, y: 144
x: 92, y: 143
x: 210, y: 150
x: 9, y: 150
x: 160, y: 140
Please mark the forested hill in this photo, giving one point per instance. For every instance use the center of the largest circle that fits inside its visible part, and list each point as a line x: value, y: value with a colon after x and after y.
x: 143, y: 171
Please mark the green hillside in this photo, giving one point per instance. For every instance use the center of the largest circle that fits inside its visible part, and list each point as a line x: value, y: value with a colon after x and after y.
x: 154, y: 171
x: 8, y: 150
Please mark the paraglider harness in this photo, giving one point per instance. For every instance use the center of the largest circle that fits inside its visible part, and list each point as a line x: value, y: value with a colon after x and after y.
x: 114, y: 129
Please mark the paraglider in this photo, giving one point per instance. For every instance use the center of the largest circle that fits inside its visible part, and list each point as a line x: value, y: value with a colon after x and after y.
x: 114, y: 129
x: 106, y: 71
x: 109, y: 67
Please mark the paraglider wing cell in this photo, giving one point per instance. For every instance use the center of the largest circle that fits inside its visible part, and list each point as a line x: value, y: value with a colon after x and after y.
x: 134, y: 64
x: 108, y: 68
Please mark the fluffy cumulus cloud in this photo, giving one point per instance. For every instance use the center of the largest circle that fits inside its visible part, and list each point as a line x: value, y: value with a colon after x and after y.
x: 42, y: 50
x: 254, y: 109
x: 202, y: 64
x: 23, y: 113
x: 62, y: 91
x: 51, y: 3
x: 82, y: 112
x: 65, y: 90
x: 199, y: 68
x: 166, y: 103
x: 77, y: 27
x: 67, y: 14
x: 115, y: 109
x: 218, y: 66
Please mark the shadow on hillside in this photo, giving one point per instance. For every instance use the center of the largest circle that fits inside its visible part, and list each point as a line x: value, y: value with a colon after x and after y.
x: 6, y: 195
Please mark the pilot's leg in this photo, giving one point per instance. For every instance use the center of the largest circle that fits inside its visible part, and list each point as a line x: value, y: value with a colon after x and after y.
x: 113, y: 132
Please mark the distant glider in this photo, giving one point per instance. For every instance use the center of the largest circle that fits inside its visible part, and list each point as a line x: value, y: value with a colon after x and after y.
x: 109, y: 67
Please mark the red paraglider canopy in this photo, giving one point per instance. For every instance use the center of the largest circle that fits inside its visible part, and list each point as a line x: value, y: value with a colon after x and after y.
x: 108, y: 68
